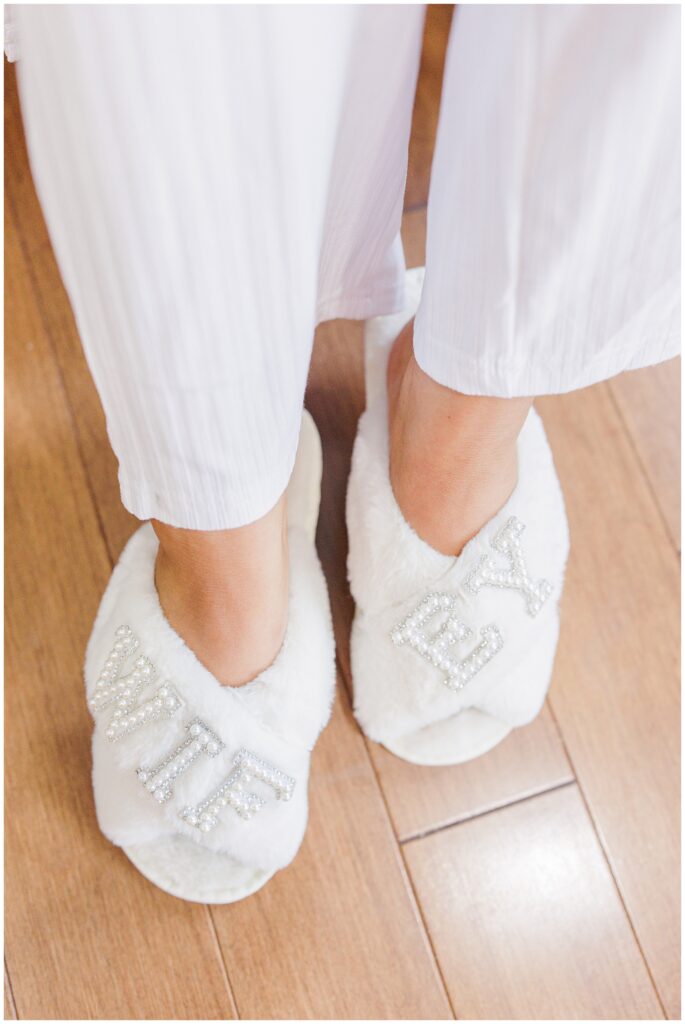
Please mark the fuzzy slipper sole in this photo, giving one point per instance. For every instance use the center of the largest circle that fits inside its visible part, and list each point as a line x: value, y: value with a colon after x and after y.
x: 217, y: 878
x: 469, y: 734
x: 176, y: 864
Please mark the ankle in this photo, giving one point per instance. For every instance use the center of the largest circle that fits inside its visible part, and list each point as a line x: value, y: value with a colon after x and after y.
x: 226, y: 593
x: 453, y: 457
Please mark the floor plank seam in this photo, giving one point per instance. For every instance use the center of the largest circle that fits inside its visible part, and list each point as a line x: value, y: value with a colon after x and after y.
x: 643, y: 469
x: 419, y: 912
x: 607, y: 861
x: 40, y: 305
x: 229, y: 988
x: 409, y: 882
x: 10, y: 991
x: 346, y: 687
x: 456, y: 822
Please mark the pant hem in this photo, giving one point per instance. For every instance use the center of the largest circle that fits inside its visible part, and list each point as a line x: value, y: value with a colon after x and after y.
x: 506, y: 379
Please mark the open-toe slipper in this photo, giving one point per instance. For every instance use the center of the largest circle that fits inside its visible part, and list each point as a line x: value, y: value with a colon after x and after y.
x: 449, y: 653
x: 205, y: 786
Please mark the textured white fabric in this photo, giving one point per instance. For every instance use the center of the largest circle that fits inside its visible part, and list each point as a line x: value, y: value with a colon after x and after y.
x: 554, y: 216
x: 218, y: 179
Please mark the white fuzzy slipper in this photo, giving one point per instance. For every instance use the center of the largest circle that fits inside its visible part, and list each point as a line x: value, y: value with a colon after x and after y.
x: 449, y: 654
x: 204, y: 786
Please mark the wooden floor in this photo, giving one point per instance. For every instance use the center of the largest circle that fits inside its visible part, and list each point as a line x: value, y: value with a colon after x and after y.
x: 540, y: 881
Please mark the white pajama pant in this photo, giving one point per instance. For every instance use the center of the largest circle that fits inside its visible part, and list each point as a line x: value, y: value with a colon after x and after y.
x: 217, y: 180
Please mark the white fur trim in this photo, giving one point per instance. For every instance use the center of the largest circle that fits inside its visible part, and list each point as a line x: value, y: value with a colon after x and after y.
x: 192, y: 872
x: 278, y: 716
x: 396, y: 691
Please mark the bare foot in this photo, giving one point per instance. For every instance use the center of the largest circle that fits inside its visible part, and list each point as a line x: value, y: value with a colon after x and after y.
x: 225, y: 592
x: 453, y: 460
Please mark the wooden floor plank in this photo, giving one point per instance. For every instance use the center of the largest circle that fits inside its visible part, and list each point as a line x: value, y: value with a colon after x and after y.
x: 85, y: 934
x: 649, y: 402
x: 525, y: 917
x: 616, y: 694
x: 529, y: 761
x: 9, y: 1007
x: 336, y: 934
